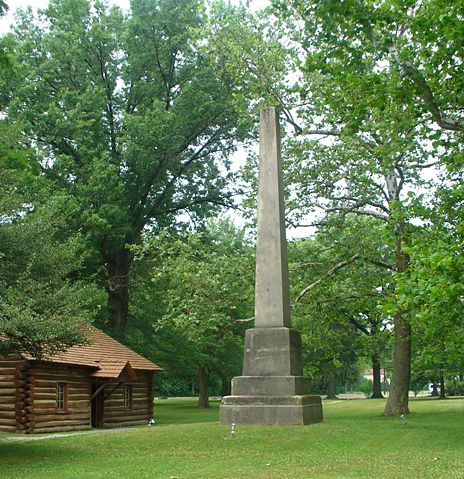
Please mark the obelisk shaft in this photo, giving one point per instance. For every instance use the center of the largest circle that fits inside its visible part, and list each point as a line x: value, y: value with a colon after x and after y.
x: 272, y: 388
x: 272, y: 304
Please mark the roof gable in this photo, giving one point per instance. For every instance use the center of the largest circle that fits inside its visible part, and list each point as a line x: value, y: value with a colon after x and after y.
x: 103, y: 353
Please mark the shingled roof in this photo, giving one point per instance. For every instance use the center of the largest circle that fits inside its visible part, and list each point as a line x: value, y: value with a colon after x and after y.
x: 105, y: 354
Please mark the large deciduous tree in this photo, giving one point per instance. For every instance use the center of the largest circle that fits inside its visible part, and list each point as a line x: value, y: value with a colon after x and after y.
x: 44, y: 299
x: 364, y: 77
x: 134, y: 118
x: 384, y: 76
x: 206, y: 280
x: 339, y: 283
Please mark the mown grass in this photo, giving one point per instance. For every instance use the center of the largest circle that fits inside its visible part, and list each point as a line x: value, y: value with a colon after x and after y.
x: 354, y: 441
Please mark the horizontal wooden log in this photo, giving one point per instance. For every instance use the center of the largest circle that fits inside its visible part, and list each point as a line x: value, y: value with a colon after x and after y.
x: 8, y: 407
x: 71, y: 410
x: 7, y: 414
x: 60, y: 417
x: 39, y: 384
x: 45, y: 404
x: 75, y: 388
x: 121, y: 408
x: 57, y: 424
x: 125, y: 417
x: 141, y: 422
x: 71, y: 371
x: 50, y: 429
x: 61, y: 378
x: 7, y: 392
x: 10, y: 363
x: 136, y: 402
x: 52, y: 397
x: 7, y: 428
x: 8, y: 422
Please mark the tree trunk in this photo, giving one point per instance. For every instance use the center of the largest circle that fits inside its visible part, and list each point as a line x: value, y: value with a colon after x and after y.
x: 434, y: 392
x: 203, y: 398
x: 117, y: 287
x: 331, y: 386
x: 397, y: 402
x: 377, y: 385
x: 442, y: 386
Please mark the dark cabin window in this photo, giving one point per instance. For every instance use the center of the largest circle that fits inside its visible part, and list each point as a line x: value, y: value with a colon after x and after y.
x: 61, y: 397
x: 127, y: 396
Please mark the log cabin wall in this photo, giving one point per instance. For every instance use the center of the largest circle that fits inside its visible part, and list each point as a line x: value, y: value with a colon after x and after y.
x: 141, y: 410
x: 41, y: 389
x: 28, y: 397
x: 12, y: 393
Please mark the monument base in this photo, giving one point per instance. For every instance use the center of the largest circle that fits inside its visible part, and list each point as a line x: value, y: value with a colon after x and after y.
x: 288, y: 410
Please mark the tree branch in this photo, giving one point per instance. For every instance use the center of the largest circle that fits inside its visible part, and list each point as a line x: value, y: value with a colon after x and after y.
x: 329, y: 273
x: 425, y: 92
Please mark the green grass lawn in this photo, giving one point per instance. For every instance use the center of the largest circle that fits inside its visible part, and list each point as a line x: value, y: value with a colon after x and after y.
x: 354, y: 441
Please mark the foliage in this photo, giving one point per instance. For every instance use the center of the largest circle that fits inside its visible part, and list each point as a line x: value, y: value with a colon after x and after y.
x: 338, y: 295
x: 365, y: 386
x: 134, y: 117
x: 455, y: 388
x: 433, y: 289
x: 44, y: 298
x: 203, y: 282
x: 44, y: 301
x: 365, y: 79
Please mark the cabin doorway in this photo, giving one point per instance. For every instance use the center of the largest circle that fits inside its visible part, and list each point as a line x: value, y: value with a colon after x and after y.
x: 97, y: 405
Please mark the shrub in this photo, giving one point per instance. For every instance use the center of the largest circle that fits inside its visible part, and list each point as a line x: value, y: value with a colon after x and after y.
x: 455, y: 388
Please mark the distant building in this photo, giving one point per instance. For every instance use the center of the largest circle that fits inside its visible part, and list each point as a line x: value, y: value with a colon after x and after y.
x: 99, y: 385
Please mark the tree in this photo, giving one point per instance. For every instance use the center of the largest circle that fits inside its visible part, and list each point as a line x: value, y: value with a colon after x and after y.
x: 350, y: 86
x: 433, y: 289
x: 206, y: 284
x: 44, y: 300
x: 338, y: 294
x: 134, y: 117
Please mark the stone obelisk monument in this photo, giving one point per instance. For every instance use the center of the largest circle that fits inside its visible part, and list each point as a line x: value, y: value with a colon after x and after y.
x: 272, y: 389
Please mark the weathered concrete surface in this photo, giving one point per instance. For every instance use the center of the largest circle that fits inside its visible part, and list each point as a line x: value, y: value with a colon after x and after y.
x: 272, y: 352
x: 301, y: 410
x: 272, y: 389
x: 270, y: 385
x: 272, y: 303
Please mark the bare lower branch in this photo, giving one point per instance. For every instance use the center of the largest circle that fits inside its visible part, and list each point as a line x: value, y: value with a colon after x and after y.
x: 329, y: 273
x: 426, y: 94
x: 246, y: 320
x: 322, y: 132
x: 350, y: 297
x: 382, y: 264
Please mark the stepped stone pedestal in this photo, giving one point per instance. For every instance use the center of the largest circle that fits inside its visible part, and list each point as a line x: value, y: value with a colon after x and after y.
x: 272, y: 389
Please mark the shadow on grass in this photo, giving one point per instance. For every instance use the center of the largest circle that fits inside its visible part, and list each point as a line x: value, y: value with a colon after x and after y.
x: 36, y: 454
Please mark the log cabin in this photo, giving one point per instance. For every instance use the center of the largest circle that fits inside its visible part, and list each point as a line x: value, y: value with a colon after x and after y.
x: 102, y: 384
